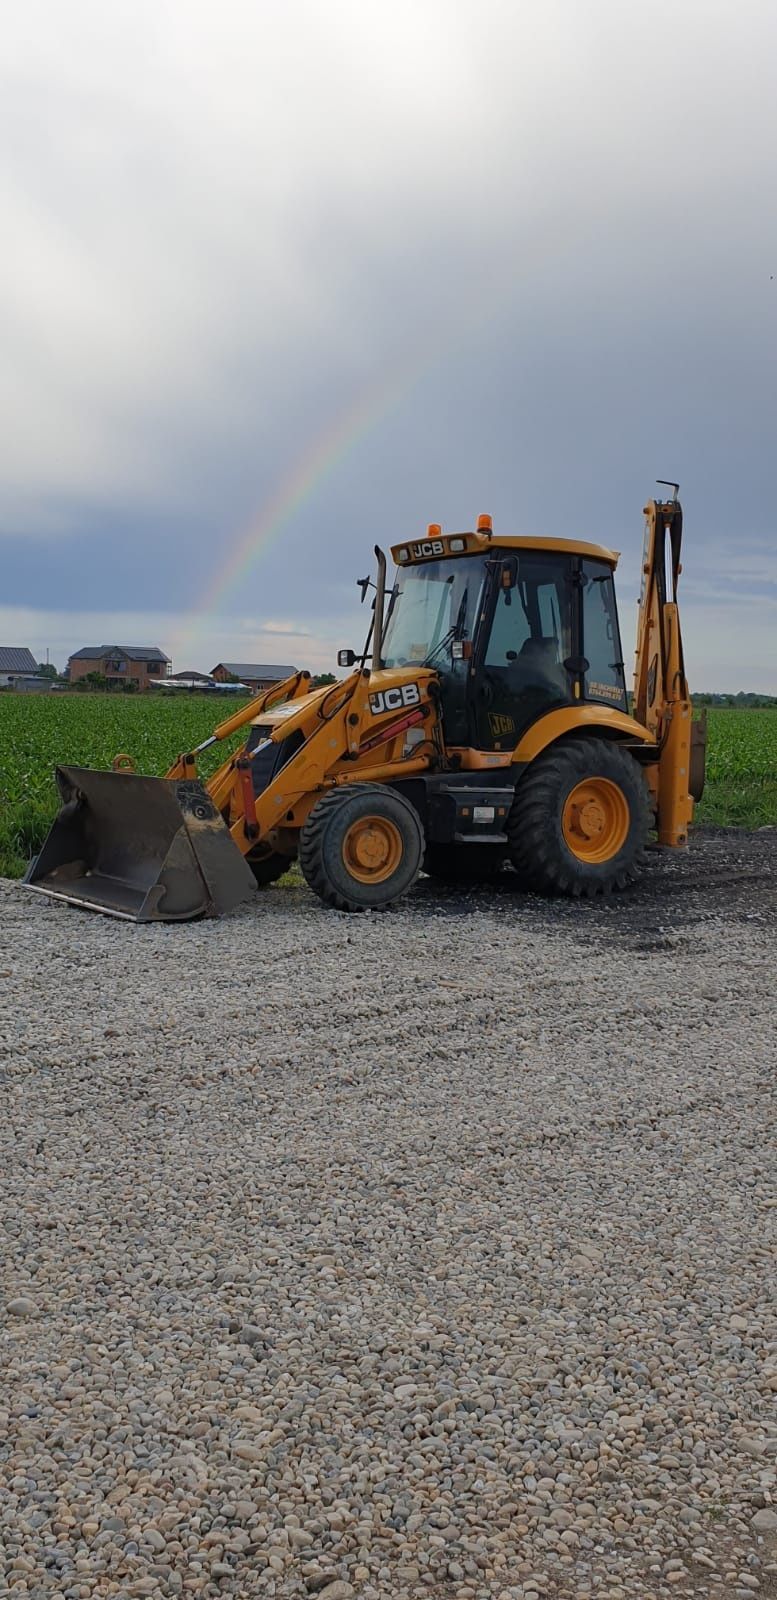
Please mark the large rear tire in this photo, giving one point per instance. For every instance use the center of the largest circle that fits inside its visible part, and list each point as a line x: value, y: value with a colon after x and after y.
x: 361, y: 847
x: 580, y: 818
x: 268, y: 867
x: 464, y: 863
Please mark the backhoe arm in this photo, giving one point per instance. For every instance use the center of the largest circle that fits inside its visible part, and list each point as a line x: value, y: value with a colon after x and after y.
x: 661, y: 699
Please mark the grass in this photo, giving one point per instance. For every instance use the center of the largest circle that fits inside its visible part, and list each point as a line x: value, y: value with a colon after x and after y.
x: 741, y: 786
x: 37, y: 731
x: 752, y: 803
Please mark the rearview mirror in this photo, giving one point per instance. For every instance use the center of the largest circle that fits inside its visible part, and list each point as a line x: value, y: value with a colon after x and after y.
x: 346, y: 658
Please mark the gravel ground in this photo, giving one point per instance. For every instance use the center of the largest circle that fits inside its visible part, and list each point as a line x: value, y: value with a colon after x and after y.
x: 416, y: 1255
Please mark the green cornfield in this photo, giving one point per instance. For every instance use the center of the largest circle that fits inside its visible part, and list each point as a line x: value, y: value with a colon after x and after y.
x: 37, y: 731
x: 741, y: 787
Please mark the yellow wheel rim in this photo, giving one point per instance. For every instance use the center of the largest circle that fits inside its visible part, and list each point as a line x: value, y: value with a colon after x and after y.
x: 372, y: 849
x: 595, y: 820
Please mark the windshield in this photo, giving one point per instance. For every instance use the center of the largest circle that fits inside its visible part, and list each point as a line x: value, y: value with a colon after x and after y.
x: 432, y: 605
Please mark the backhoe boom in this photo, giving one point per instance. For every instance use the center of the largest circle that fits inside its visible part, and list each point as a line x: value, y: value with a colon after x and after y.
x: 661, y: 699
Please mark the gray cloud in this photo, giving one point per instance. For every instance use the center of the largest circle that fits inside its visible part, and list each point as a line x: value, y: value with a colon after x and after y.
x: 226, y: 229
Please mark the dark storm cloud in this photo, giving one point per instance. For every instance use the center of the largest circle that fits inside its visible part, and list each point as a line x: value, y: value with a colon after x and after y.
x: 225, y: 230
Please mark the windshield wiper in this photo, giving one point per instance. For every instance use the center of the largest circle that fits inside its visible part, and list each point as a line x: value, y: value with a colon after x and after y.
x: 454, y: 632
x: 446, y: 639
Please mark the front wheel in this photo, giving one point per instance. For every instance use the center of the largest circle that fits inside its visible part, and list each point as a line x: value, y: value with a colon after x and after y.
x: 580, y: 819
x: 361, y: 847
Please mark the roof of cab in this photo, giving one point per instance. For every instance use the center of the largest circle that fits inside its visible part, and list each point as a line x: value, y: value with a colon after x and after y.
x: 479, y: 542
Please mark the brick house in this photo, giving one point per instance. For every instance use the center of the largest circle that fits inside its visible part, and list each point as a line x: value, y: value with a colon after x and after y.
x: 143, y: 665
x: 255, y: 675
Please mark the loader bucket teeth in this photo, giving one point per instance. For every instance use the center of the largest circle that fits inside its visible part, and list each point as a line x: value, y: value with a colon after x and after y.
x: 144, y: 849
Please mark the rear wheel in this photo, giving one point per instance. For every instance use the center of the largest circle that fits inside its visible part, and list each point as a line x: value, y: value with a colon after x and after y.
x: 580, y: 819
x: 361, y: 847
x: 463, y: 863
x: 267, y: 866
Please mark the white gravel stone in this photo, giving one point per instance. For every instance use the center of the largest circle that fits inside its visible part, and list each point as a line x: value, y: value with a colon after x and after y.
x: 391, y: 1256
x: 765, y: 1521
x: 21, y: 1306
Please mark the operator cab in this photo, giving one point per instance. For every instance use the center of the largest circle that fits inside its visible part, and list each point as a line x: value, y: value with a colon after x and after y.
x: 513, y: 630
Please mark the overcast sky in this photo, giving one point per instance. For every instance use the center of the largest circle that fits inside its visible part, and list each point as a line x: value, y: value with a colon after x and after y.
x: 516, y: 256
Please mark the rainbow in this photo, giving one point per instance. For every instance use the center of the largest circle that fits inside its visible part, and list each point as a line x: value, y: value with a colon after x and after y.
x: 323, y: 454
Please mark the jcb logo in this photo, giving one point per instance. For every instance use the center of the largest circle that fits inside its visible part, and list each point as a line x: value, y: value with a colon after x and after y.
x: 500, y: 723
x: 427, y: 547
x: 408, y: 694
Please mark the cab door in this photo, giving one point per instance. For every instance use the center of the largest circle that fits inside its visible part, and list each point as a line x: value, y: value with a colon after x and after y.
x: 525, y: 659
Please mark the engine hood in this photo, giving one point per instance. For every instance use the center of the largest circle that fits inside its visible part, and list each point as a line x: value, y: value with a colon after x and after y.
x: 391, y: 690
x: 291, y: 710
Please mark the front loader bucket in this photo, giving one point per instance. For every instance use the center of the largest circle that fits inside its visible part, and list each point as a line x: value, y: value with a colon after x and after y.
x: 146, y: 849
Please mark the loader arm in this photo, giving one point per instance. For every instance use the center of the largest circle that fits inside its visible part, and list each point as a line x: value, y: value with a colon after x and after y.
x: 185, y: 766
x: 661, y: 699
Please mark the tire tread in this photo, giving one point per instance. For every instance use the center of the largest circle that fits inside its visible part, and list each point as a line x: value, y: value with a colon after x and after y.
x: 537, y: 851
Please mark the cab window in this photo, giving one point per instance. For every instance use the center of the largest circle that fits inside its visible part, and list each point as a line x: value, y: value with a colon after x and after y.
x: 532, y: 622
x: 509, y: 630
x: 604, y: 679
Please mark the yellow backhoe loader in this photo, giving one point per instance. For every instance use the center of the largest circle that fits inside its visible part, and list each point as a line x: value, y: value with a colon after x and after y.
x: 485, y: 721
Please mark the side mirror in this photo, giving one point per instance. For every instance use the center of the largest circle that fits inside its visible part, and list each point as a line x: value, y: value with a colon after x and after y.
x: 509, y: 572
x: 346, y: 658
x: 363, y: 584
